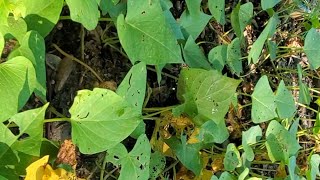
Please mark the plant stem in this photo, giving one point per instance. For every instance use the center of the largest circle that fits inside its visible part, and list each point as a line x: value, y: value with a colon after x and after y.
x: 69, y: 18
x: 78, y: 61
x: 57, y: 120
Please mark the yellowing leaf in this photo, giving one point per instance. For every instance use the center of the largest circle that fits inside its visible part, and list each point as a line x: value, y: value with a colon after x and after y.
x: 36, y: 169
x: 41, y: 170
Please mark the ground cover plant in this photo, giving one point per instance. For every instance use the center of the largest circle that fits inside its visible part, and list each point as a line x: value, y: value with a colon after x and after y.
x: 159, y: 89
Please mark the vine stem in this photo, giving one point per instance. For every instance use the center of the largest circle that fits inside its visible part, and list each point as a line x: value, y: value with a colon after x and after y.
x: 78, y: 61
x: 57, y: 120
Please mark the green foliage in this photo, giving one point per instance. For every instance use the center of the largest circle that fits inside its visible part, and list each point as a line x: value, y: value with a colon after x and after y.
x: 14, y: 95
x: 116, y: 119
x: 216, y: 8
x: 218, y: 57
x: 85, y: 13
x: 304, y: 94
x: 194, y: 56
x: 209, y: 91
x: 213, y: 110
x: 211, y: 132
x: 250, y: 136
x: 32, y: 47
x: 263, y: 102
x: 21, y: 149
x: 267, y: 32
x: 134, y: 164
x: 285, y: 102
x: 192, y: 20
x: 311, y: 48
x: 232, y: 158
x: 280, y: 143
x: 240, y: 17
x: 141, y: 25
x: 188, y: 154
x: 267, y: 4
x: 234, y: 56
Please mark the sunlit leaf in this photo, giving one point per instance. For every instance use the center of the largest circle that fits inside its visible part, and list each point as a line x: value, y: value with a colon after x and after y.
x: 133, y: 86
x: 216, y: 8
x: 87, y: 12
x: 285, y: 102
x: 141, y: 25
x: 16, y: 28
x: 280, y: 143
x: 101, y: 119
x: 263, y: 102
x: 17, y: 82
x: 232, y: 158
x: 42, y: 15
x: 1, y: 43
x: 32, y: 46
x: 311, y: 48
x: 27, y: 143
x: 207, y: 94
x: 250, y: 136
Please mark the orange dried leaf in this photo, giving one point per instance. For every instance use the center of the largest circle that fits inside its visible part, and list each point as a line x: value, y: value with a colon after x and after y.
x: 67, y: 154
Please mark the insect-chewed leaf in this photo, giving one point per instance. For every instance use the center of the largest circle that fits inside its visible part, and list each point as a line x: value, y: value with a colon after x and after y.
x: 101, y: 119
x: 311, y: 48
x: 157, y: 164
x: 209, y: 91
x: 280, y: 143
x: 134, y: 164
x: 285, y: 102
x: 133, y: 86
x: 17, y: 82
x: 145, y: 25
x: 232, y: 158
x: 27, y: 143
x: 263, y: 102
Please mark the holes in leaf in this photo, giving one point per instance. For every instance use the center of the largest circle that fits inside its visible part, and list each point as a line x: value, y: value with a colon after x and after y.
x: 116, y: 157
x: 143, y: 12
x: 23, y: 136
x: 84, y: 116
